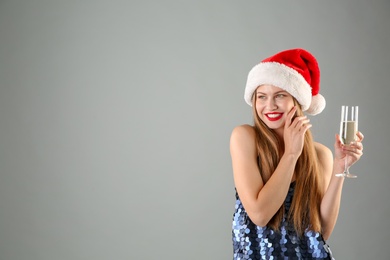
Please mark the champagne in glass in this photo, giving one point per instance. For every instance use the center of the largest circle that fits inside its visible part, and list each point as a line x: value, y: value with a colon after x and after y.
x: 348, y: 130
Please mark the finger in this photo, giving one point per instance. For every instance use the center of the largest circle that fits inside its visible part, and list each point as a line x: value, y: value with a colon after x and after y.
x: 338, y: 142
x: 354, y: 156
x: 306, y: 127
x: 353, y: 150
x: 338, y: 139
x: 300, y: 121
x: 290, y: 116
x: 360, y: 135
x: 356, y: 144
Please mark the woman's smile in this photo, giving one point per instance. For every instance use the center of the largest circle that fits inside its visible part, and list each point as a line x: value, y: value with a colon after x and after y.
x: 274, y: 116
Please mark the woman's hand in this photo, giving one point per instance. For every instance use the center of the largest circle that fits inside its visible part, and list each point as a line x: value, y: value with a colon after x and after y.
x: 294, y: 132
x: 354, y: 150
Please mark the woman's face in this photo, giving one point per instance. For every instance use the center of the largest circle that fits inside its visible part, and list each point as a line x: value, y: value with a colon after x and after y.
x: 273, y: 105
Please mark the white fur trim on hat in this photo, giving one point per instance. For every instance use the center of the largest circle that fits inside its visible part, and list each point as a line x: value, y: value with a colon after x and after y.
x: 282, y: 76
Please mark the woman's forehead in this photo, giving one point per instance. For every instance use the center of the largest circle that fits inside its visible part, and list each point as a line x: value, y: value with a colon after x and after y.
x: 269, y: 89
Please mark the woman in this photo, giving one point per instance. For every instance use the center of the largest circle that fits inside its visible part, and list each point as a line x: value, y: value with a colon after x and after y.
x: 288, y: 196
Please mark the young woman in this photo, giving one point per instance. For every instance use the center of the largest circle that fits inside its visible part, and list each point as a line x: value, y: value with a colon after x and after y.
x: 288, y: 196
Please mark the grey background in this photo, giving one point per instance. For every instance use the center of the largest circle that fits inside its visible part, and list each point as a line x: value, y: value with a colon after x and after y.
x: 115, y: 118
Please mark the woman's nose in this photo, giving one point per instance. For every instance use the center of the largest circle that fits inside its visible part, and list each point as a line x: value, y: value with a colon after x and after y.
x: 271, y: 104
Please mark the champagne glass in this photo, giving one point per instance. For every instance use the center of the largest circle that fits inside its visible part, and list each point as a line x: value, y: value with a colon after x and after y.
x: 348, y: 130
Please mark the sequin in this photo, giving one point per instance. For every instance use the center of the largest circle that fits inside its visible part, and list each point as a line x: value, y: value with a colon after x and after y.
x: 254, y: 242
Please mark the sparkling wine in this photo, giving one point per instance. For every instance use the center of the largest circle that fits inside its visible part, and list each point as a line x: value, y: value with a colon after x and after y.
x: 348, y: 131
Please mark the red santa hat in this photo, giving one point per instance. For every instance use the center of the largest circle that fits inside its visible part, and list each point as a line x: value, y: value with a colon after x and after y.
x: 296, y: 71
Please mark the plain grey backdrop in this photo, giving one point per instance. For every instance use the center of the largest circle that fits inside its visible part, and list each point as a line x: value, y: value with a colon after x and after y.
x: 115, y: 118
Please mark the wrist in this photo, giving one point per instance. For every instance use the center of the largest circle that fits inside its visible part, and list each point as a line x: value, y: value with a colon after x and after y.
x: 338, y: 165
x: 290, y: 157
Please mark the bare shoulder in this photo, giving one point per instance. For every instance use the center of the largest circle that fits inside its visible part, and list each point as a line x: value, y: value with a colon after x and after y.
x: 323, y: 152
x: 243, y: 137
x: 244, y: 131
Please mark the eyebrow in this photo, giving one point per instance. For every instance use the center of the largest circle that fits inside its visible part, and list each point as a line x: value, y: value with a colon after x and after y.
x: 281, y: 91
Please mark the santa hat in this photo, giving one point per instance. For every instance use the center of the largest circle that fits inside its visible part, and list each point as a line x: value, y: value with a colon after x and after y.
x: 296, y: 71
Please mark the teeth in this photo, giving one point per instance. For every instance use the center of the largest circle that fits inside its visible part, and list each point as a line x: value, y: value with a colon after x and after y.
x: 273, y: 115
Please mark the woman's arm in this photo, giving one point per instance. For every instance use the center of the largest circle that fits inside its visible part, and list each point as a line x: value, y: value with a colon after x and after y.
x: 261, y: 201
x: 330, y: 204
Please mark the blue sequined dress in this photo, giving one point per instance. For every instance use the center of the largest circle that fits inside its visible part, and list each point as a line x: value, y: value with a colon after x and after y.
x: 254, y: 242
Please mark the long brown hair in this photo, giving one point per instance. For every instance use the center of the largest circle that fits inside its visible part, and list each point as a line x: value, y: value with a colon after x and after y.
x: 305, y: 207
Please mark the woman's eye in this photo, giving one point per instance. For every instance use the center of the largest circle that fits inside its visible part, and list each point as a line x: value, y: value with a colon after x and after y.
x: 280, y: 95
x: 260, y: 97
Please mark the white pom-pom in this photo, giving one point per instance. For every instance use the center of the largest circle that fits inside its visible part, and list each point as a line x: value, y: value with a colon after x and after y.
x: 317, y: 104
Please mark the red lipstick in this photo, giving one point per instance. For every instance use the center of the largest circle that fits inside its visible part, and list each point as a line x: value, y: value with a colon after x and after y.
x: 274, y: 116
